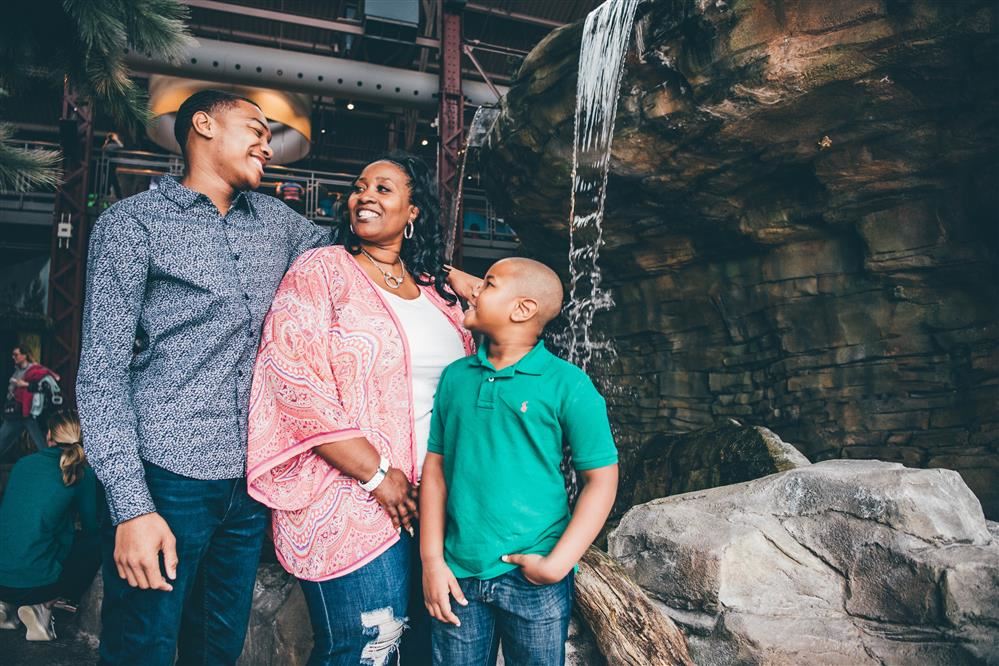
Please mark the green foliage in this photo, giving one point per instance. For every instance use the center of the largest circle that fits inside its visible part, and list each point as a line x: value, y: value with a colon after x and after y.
x: 22, y: 169
x: 83, y: 43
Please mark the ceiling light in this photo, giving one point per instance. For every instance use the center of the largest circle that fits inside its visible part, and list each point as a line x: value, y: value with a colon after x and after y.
x: 350, y: 106
x: 424, y: 142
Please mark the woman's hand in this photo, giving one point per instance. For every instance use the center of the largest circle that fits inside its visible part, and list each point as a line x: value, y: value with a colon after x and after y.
x: 398, y: 496
x: 462, y: 283
x: 439, y: 584
x: 536, y: 568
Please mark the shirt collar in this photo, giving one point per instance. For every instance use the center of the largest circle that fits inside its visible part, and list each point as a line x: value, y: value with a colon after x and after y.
x: 533, y: 363
x: 185, y: 197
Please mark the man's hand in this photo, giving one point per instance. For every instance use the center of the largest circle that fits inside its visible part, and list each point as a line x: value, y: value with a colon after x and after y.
x: 137, y: 546
x: 462, y: 283
x: 398, y: 497
x: 439, y: 584
x: 537, y: 569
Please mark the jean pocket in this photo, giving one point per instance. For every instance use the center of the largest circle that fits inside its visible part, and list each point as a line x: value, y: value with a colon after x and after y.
x: 522, y: 580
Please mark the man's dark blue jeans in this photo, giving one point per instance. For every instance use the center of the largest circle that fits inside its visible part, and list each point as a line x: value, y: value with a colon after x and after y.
x: 219, y: 530
x: 531, y: 621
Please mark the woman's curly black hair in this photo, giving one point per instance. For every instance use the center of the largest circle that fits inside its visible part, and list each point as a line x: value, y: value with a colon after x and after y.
x: 423, y: 254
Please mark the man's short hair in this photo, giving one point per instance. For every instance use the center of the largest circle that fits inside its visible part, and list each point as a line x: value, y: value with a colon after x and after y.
x: 204, y: 100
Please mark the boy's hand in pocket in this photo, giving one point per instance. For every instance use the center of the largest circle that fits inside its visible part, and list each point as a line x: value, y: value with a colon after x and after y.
x: 439, y: 584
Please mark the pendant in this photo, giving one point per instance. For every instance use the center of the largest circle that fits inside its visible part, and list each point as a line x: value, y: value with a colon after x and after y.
x: 392, y: 281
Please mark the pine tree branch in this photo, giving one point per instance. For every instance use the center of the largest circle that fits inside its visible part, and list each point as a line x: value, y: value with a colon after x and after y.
x: 24, y: 168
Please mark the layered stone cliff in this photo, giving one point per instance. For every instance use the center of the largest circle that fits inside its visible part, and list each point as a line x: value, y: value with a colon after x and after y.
x: 801, y: 222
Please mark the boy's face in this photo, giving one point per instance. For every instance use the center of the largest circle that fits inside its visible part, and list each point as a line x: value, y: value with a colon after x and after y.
x: 493, y: 300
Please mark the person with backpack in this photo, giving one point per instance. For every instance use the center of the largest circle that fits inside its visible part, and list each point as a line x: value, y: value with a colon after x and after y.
x: 25, y: 402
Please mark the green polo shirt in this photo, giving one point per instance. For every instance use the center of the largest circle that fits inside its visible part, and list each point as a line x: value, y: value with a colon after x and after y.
x: 500, y: 433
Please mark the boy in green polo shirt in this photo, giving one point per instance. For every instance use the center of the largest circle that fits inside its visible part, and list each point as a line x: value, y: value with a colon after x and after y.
x: 496, y: 529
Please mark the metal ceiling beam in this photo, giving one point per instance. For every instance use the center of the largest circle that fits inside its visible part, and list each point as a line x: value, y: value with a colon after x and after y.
x: 348, y: 27
x: 513, y: 16
x: 260, y: 66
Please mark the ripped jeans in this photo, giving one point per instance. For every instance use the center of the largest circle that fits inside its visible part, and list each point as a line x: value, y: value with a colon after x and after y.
x: 359, y: 618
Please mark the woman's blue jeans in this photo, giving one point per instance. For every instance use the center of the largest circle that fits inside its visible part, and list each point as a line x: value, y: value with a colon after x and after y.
x: 219, y: 530
x: 531, y: 621
x: 359, y: 618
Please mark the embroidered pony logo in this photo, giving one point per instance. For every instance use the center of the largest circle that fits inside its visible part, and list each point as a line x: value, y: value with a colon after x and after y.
x: 523, y: 407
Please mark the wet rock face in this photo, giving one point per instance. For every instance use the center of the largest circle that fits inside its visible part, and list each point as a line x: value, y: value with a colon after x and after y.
x: 801, y: 227
x: 841, y: 562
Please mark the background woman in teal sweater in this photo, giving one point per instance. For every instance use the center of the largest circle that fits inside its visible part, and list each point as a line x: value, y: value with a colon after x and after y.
x: 42, y: 555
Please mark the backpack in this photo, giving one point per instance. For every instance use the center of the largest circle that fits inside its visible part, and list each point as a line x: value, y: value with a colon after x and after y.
x: 47, y: 398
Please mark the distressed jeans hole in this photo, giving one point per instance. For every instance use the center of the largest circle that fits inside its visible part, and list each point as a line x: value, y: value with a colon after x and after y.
x: 385, y: 630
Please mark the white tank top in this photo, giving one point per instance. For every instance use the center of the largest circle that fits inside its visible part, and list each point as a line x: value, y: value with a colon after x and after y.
x: 433, y: 344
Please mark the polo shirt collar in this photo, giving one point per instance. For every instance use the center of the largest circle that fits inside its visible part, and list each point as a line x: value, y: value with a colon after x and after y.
x: 533, y: 363
x: 185, y: 197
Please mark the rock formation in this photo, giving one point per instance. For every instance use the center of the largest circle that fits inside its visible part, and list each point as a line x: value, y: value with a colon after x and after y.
x: 841, y: 562
x: 801, y: 222
x: 717, y: 456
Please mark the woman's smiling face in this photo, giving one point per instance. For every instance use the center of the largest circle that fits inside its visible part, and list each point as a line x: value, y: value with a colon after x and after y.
x: 379, y: 204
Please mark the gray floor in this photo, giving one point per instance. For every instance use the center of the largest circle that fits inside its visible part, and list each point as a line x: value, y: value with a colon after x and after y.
x: 66, y: 650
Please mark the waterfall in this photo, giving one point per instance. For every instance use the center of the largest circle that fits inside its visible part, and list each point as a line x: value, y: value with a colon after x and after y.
x: 478, y: 130
x: 601, y: 63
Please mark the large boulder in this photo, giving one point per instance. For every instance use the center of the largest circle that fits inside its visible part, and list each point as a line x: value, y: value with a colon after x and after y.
x: 800, y: 222
x: 716, y: 456
x: 840, y: 562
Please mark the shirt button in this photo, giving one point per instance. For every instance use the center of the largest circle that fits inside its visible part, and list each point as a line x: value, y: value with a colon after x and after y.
x: 239, y: 373
x: 236, y: 257
x: 491, y: 379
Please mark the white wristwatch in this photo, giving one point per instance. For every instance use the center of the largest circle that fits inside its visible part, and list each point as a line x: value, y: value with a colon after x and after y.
x: 375, y: 481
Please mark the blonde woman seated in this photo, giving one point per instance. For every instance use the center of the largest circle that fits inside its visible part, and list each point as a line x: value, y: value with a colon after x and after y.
x: 42, y: 556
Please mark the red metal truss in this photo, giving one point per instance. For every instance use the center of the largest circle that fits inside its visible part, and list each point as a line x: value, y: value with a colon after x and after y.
x: 451, y: 117
x: 69, y: 255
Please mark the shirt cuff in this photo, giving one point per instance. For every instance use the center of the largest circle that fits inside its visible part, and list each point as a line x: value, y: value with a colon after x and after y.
x: 129, y: 498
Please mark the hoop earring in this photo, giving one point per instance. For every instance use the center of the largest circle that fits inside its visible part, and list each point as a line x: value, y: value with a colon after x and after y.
x: 410, y: 229
x: 352, y: 230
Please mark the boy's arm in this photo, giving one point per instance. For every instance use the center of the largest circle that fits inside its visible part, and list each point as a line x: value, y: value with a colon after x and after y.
x: 586, y: 428
x: 592, y: 509
x: 438, y: 580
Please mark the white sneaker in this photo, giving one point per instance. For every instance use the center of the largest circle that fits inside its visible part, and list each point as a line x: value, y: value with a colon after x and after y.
x: 39, y: 621
x: 8, y: 618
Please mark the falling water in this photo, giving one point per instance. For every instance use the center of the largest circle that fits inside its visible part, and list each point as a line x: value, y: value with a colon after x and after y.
x: 482, y: 123
x: 601, y: 62
x: 605, y: 41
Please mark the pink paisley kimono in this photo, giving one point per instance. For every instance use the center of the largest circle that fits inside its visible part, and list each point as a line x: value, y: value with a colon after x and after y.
x: 332, y: 365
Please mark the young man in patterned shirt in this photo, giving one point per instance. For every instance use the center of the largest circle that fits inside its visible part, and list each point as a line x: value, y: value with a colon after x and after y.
x: 178, y: 282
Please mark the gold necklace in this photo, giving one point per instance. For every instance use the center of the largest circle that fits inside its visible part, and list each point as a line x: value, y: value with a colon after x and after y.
x: 392, y: 281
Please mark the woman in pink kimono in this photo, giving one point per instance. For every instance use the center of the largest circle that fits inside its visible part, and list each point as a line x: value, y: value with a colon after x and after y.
x: 351, y: 353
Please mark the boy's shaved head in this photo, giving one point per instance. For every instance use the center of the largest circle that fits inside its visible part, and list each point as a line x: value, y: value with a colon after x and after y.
x: 537, y: 281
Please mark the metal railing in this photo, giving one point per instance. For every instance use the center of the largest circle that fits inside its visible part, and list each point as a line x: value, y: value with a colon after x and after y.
x: 138, y: 168
x: 316, y: 184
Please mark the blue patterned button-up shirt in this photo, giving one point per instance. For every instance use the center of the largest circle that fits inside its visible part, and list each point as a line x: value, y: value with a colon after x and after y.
x: 176, y: 297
